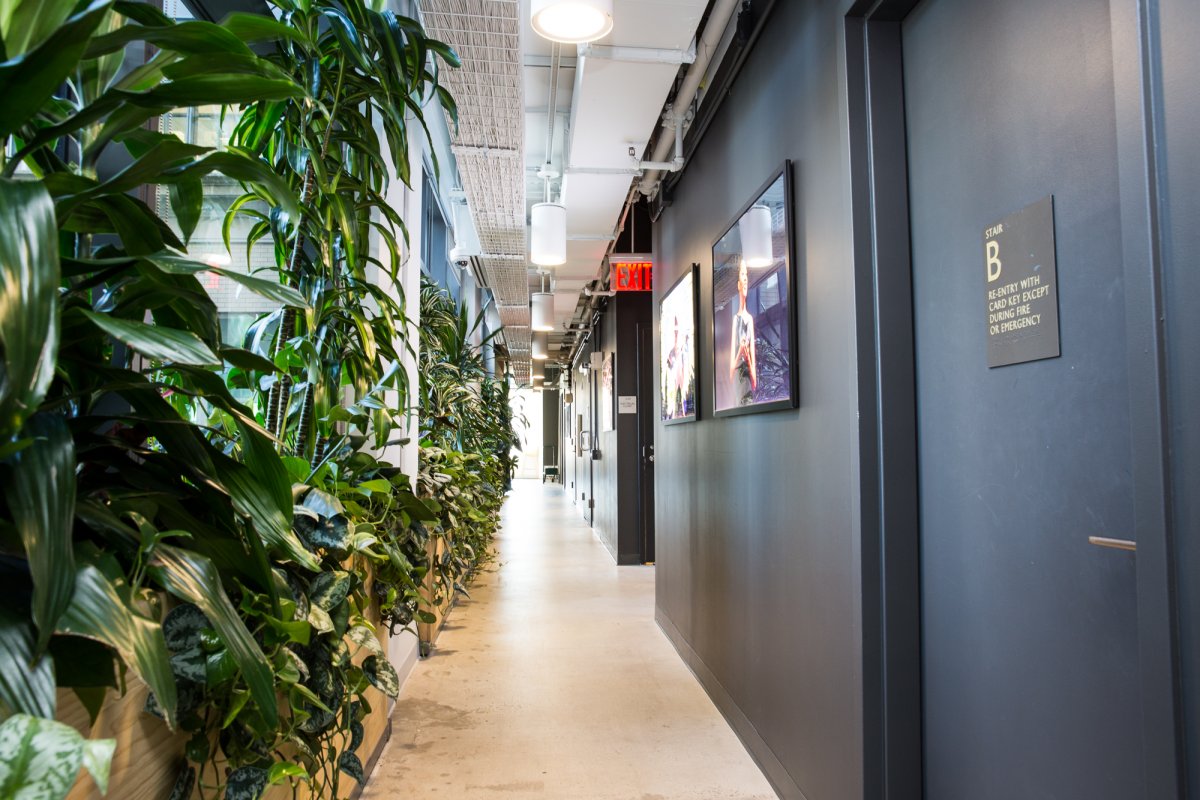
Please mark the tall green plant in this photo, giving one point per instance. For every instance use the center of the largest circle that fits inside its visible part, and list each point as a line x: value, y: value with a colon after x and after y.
x: 468, y: 432
x: 228, y: 577
x: 367, y: 75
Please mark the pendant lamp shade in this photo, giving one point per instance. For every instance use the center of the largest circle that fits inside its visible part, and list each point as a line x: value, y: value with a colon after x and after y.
x: 548, y: 235
x: 537, y: 372
x: 540, y: 345
x: 755, y: 230
x: 571, y: 21
x: 542, y: 311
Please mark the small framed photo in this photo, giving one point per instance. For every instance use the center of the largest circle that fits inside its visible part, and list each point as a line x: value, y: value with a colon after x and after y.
x: 753, y: 313
x: 678, y: 401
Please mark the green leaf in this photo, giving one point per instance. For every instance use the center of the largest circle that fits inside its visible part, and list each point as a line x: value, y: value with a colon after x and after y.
x: 39, y: 484
x: 98, y: 611
x: 184, y: 784
x: 259, y: 455
x: 246, y: 783
x: 382, y: 675
x: 271, y: 289
x: 97, y: 759
x: 253, y: 500
x: 246, y: 360
x: 184, y: 37
x: 83, y: 663
x: 31, y: 79
x: 352, y: 766
x: 192, y: 577
x: 329, y: 589
x: 157, y: 342
x: 363, y: 636
x: 187, y: 200
x: 259, y: 27
x: 40, y: 758
x: 281, y: 771
x: 29, y: 278
x: 26, y: 683
x: 182, y: 627
x: 27, y: 24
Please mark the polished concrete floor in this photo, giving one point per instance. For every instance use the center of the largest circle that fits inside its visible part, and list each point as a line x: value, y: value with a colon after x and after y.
x: 555, y: 682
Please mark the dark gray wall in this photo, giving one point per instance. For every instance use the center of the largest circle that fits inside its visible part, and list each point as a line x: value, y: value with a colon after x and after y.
x: 764, y: 526
x: 1180, y: 30
x: 758, y: 551
x: 551, y: 427
x: 616, y: 471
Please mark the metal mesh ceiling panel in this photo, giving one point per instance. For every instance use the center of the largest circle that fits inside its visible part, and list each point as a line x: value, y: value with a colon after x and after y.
x: 490, y: 145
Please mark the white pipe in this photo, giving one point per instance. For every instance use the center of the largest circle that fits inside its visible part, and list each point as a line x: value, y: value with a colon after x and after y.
x: 638, y: 55
x: 714, y: 30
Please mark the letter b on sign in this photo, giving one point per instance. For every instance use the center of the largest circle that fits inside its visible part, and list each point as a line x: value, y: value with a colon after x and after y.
x: 993, y: 260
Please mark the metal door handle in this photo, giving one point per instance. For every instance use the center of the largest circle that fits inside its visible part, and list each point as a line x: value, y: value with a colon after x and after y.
x: 1116, y: 544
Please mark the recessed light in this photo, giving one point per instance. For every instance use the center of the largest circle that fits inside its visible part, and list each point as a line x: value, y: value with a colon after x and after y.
x: 572, y: 21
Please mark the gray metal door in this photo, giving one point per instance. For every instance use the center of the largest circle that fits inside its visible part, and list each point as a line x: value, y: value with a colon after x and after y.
x: 1029, y: 632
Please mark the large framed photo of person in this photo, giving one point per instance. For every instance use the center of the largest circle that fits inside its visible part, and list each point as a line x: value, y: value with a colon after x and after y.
x: 753, y: 314
x: 677, y: 350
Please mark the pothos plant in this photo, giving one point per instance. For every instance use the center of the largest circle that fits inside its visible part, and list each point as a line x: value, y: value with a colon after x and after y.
x: 468, y: 434
x: 216, y: 560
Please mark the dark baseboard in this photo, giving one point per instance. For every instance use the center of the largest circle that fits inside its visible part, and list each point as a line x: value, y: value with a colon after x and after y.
x: 762, y: 754
x: 369, y: 767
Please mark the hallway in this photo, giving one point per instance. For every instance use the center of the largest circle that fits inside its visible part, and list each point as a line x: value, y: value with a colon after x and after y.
x: 555, y: 682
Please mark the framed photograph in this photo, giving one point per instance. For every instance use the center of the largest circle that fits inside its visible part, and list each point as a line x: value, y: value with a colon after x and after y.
x: 753, y: 313
x: 677, y: 350
x: 608, y: 387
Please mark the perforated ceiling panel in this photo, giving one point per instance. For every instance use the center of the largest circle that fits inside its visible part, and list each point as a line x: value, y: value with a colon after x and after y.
x: 490, y: 144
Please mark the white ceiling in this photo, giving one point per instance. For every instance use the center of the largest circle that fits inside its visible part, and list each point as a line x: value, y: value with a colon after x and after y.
x: 603, y: 107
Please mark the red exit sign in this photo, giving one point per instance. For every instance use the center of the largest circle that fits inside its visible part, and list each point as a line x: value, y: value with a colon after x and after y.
x: 633, y: 276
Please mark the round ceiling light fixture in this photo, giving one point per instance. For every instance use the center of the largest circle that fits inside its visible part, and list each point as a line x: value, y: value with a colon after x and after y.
x: 571, y: 21
x: 540, y: 342
x: 548, y: 234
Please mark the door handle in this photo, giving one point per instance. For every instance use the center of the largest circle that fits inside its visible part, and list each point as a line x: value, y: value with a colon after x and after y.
x: 1116, y: 544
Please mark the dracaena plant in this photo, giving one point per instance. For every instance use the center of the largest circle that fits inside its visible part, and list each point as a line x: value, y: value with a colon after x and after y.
x: 131, y: 535
x: 367, y: 76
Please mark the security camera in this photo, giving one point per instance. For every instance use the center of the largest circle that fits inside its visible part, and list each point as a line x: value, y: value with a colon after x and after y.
x: 459, y: 257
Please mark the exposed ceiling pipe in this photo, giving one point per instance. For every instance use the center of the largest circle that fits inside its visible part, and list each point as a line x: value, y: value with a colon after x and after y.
x: 714, y: 30
x: 638, y: 55
x: 547, y: 173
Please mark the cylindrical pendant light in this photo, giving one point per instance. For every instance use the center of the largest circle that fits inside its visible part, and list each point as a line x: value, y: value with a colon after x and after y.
x: 542, y: 311
x: 537, y: 371
x: 571, y: 21
x: 548, y: 234
x: 540, y: 344
x: 755, y: 230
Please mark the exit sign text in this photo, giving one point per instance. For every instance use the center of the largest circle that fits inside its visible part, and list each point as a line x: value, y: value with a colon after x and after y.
x: 633, y: 276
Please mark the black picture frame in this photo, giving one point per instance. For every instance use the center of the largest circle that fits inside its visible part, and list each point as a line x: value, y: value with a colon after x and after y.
x: 783, y: 344
x: 692, y: 304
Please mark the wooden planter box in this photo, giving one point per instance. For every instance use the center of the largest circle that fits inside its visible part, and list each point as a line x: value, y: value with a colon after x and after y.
x: 427, y: 632
x: 149, y: 757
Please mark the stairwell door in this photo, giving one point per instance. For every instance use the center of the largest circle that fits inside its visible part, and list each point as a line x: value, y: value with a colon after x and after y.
x: 1029, y: 628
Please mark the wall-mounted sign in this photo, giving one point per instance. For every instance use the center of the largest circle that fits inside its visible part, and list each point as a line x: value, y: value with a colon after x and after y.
x: 1021, y: 286
x: 627, y: 404
x: 633, y: 276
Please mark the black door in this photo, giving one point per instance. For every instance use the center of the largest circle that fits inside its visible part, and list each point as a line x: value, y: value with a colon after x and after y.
x: 647, y: 413
x: 1030, y: 637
